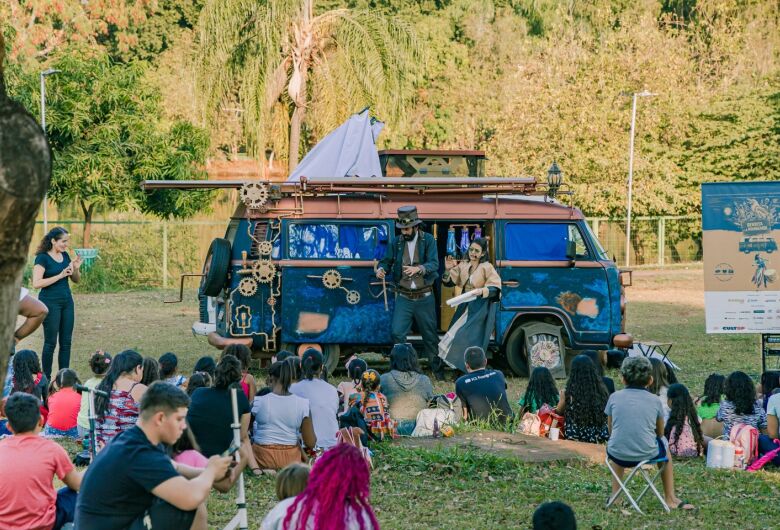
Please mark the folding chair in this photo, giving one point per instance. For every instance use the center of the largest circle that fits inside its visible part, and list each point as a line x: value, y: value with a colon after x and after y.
x: 648, y: 479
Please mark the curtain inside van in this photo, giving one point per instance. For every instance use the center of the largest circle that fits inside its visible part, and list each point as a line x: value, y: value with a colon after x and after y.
x: 535, y: 241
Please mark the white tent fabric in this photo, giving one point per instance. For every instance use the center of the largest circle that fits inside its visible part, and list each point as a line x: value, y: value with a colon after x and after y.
x: 348, y: 151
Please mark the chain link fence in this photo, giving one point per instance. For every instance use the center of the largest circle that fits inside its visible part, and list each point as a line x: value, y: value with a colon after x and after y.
x: 152, y: 253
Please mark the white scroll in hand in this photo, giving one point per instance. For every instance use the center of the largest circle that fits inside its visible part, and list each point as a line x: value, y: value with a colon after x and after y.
x: 464, y: 298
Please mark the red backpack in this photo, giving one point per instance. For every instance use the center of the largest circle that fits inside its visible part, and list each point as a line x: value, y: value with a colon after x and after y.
x: 746, y: 437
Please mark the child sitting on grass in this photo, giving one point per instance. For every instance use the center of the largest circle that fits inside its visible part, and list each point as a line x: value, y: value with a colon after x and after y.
x: 355, y: 369
x: 99, y: 363
x: 64, y: 405
x: 740, y: 405
x: 169, y: 364
x: 636, y: 426
x: 541, y: 390
x: 373, y: 404
x: 290, y: 482
x: 244, y: 356
x: 683, y: 429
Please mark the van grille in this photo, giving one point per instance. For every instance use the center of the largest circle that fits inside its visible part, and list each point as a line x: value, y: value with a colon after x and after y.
x: 260, y: 233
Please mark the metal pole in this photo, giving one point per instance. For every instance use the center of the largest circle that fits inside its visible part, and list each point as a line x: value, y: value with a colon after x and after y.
x: 43, y: 126
x: 165, y: 255
x: 630, y: 180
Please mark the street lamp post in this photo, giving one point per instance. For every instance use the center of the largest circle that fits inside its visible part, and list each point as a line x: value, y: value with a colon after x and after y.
x: 634, y: 96
x: 44, y: 75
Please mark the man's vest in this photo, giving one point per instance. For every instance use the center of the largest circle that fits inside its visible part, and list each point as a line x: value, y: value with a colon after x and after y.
x: 406, y: 281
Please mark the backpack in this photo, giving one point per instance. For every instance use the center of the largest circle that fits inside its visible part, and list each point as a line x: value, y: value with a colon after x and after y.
x: 448, y: 402
x: 352, y: 436
x: 426, y: 419
x: 379, y: 422
x: 746, y: 437
x: 531, y: 425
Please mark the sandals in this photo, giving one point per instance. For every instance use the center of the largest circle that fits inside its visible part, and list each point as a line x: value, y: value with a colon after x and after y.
x: 682, y: 506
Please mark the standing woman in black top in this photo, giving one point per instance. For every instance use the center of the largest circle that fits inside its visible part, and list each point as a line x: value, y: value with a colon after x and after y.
x: 52, y: 269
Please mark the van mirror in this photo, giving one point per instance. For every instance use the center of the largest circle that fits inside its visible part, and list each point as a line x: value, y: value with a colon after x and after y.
x: 571, y: 250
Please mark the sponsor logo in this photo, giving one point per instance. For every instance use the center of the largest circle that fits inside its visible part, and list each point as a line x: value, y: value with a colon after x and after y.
x: 732, y: 328
x: 724, y: 272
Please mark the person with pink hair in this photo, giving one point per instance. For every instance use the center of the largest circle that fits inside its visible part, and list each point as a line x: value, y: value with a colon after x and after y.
x: 339, y: 483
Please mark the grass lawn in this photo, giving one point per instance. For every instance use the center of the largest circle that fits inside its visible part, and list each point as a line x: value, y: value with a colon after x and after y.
x: 459, y: 487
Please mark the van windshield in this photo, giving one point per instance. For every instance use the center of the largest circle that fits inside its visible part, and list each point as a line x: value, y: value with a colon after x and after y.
x: 542, y: 241
x: 329, y: 240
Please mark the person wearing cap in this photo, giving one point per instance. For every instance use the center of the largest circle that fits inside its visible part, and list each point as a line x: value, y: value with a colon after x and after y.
x: 413, y: 264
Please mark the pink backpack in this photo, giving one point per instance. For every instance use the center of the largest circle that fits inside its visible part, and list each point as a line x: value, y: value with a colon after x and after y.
x: 746, y: 437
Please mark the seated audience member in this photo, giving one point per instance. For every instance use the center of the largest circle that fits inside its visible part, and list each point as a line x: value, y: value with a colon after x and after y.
x: 211, y: 411
x: 169, y: 370
x: 541, y: 390
x: 281, y: 419
x: 187, y: 451
x: 198, y: 380
x: 770, y: 383
x: 708, y: 404
x: 29, y: 464
x: 123, y: 385
x: 407, y: 390
x: 336, y: 495
x: 206, y: 364
x: 290, y: 482
x: 636, y: 427
x: 134, y: 484
x: 281, y: 355
x: 582, y: 403
x: 29, y: 378
x: 766, y: 442
x: 593, y: 355
x: 151, y: 371
x: 554, y: 516
x: 244, y: 356
x: 34, y: 312
x: 374, y: 406
x: 660, y: 384
x: 322, y: 396
x: 482, y: 392
x: 355, y: 368
x: 64, y: 405
x: 98, y: 363
x: 683, y: 430
x: 740, y: 404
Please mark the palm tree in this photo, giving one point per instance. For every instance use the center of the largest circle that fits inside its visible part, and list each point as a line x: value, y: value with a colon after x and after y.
x: 281, y: 60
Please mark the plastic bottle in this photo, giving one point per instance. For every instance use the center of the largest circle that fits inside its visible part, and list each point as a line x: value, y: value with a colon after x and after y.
x: 451, y: 248
x: 478, y: 232
x: 464, y: 242
x: 739, y: 458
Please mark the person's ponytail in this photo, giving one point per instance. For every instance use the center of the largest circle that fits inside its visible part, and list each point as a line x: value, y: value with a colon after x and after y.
x: 311, y: 363
x: 282, y: 373
x: 124, y: 362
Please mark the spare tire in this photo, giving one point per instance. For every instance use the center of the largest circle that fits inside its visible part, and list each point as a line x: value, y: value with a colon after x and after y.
x: 215, y: 268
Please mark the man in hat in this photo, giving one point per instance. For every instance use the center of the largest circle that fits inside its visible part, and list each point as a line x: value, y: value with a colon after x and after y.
x: 413, y: 263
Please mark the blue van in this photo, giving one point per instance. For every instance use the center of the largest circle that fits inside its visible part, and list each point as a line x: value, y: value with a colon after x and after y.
x: 296, y: 267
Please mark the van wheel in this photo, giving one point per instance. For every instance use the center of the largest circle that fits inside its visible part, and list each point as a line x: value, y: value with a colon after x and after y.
x: 215, y: 268
x: 515, y: 352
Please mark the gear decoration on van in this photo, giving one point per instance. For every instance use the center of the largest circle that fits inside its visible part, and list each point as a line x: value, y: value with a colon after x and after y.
x: 331, y: 279
x: 254, y: 194
x: 247, y: 287
x: 353, y: 297
x: 263, y: 270
x: 265, y: 248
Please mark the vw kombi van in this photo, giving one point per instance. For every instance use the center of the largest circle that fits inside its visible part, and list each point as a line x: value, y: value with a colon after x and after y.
x: 297, y: 264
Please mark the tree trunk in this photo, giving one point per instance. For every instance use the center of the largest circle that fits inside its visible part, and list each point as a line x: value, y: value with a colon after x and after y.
x: 295, y: 136
x: 88, y: 211
x: 25, y: 169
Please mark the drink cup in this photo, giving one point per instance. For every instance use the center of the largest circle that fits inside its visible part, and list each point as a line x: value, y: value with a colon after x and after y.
x: 555, y: 432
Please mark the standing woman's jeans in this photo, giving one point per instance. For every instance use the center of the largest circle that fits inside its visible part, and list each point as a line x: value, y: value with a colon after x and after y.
x: 58, y: 323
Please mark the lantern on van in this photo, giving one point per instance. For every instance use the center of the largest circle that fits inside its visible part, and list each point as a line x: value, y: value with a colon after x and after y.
x: 554, y: 179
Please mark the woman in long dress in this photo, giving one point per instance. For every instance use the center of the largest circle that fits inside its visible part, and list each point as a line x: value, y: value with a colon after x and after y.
x: 473, y: 321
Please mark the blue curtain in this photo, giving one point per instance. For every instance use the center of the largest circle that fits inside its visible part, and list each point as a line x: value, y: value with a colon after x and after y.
x: 337, y: 241
x: 536, y: 241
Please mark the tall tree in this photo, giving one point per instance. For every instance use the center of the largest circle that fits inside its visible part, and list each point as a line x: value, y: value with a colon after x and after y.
x: 283, y: 58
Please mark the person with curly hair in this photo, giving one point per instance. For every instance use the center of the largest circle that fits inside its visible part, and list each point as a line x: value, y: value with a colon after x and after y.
x: 707, y: 405
x: 582, y: 403
x: 541, y: 389
x: 636, y: 428
x: 683, y: 429
x: 244, y: 355
x: 740, y: 405
x: 337, y: 495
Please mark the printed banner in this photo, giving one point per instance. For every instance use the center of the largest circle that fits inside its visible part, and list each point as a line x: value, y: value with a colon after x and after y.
x: 741, y: 231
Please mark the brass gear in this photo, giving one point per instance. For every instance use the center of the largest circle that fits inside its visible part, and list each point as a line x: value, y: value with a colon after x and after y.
x: 353, y: 297
x: 331, y: 279
x: 247, y: 287
x: 254, y: 194
x: 271, y: 301
x: 265, y: 248
x: 263, y: 270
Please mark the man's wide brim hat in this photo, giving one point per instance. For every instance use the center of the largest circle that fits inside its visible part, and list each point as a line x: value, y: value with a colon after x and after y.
x: 407, y: 217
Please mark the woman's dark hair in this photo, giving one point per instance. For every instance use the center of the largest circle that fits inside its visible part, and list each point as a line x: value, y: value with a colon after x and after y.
x: 660, y: 376
x: 741, y: 391
x: 281, y: 373
x: 284, y: 354
x: 593, y: 355
x: 26, y: 368
x: 124, y: 363
x: 403, y: 358
x: 355, y: 369
x: 240, y: 352
x: 205, y: 364
x: 100, y: 362
x: 198, y: 380
x: 151, y: 371
x: 541, y: 389
x: 370, y: 381
x: 295, y: 362
x: 311, y: 363
x: 586, y: 395
x: 713, y: 389
x: 168, y: 364
x: 186, y: 442
x: 45, y: 245
x: 769, y: 381
x: 228, y: 372
x: 483, y: 243
x: 682, y: 408
x: 65, y: 378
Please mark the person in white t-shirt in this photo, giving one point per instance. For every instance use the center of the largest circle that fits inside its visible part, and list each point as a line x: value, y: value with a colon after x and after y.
x: 323, y: 398
x: 281, y: 419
